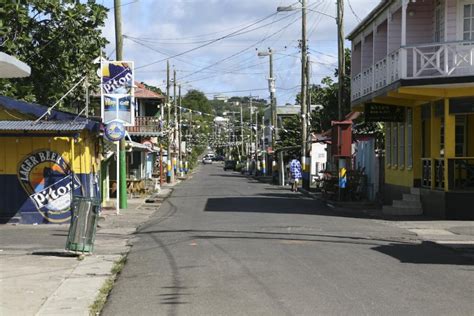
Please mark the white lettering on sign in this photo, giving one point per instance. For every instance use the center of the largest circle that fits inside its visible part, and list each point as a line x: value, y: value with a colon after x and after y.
x: 113, y: 84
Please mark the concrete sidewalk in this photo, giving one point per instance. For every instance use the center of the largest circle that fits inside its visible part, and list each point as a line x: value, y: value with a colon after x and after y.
x: 37, y: 277
x: 456, y: 235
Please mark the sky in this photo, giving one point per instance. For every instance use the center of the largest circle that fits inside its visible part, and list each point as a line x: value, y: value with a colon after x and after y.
x: 155, y: 31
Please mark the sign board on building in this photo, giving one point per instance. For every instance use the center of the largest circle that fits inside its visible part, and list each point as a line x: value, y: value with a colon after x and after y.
x: 49, y: 182
x: 461, y: 106
x: 117, y: 92
x: 375, y: 112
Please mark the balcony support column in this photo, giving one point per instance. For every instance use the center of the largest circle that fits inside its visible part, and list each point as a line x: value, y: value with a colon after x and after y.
x: 449, y: 141
x: 403, y: 50
x: 435, y: 139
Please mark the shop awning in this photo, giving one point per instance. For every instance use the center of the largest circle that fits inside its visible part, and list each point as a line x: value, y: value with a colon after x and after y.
x: 138, y: 147
x: 10, y: 67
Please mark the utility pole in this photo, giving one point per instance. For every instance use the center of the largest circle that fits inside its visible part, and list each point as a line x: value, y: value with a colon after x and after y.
x: 122, y: 169
x: 118, y: 30
x: 304, y: 108
x: 180, y: 154
x: 272, y: 100
x: 241, y: 130
x: 175, y: 127
x: 341, y: 56
x: 308, y: 104
x: 251, y: 127
x: 169, y: 167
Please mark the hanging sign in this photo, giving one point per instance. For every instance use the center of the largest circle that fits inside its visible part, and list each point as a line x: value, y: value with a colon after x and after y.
x: 117, y: 92
x: 375, y: 112
x: 114, y: 131
x: 49, y: 182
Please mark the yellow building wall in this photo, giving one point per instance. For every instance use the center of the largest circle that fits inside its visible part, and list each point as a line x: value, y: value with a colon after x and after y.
x: 404, y: 175
x: 14, y: 149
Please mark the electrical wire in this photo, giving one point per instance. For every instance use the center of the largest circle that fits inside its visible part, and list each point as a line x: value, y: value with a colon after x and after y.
x: 353, y: 12
x: 206, y: 44
x: 243, y: 50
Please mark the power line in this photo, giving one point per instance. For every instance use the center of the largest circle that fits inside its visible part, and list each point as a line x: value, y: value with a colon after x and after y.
x: 245, y: 49
x: 353, y: 12
x: 201, y: 35
x: 206, y: 41
x: 206, y: 44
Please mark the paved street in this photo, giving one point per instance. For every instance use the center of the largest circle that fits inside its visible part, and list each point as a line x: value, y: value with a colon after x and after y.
x: 225, y: 244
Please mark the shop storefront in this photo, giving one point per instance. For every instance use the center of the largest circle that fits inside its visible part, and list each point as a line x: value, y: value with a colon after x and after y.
x: 44, y: 163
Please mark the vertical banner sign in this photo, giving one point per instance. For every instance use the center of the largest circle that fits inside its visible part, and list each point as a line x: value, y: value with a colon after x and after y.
x: 117, y: 92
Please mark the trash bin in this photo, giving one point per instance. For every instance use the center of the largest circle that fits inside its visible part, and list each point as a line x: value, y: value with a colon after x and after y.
x: 85, y: 212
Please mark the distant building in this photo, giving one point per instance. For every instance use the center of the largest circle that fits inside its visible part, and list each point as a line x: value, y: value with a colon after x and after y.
x: 220, y: 97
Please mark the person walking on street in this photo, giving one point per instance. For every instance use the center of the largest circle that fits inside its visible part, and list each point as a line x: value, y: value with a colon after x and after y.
x: 295, y: 173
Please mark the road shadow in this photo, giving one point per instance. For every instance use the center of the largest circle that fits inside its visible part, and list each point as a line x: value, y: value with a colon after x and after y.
x: 227, y: 175
x: 286, y: 195
x: 425, y: 253
x: 263, y: 205
x: 194, y: 234
x: 277, y: 203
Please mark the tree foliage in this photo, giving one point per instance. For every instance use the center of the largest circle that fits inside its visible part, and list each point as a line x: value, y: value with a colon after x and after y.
x: 59, y: 40
x: 326, y: 95
x: 196, y: 100
x: 290, y: 135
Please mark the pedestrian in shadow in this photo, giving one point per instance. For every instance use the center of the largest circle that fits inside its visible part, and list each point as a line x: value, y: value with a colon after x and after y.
x: 295, y: 173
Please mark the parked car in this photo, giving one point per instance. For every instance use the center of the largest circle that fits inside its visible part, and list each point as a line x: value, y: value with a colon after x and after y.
x: 207, y: 160
x: 230, y: 165
x: 218, y: 158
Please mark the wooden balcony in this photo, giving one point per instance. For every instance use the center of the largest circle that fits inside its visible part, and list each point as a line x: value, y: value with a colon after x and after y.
x: 146, y: 126
x: 422, y: 61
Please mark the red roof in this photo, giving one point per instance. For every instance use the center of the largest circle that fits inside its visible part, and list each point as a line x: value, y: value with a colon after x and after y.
x: 141, y: 92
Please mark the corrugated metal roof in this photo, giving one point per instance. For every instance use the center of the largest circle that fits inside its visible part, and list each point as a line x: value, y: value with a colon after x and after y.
x: 37, y: 110
x: 70, y: 126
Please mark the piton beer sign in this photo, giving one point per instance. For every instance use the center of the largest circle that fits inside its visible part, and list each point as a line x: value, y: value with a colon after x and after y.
x: 117, y: 91
x: 49, y: 182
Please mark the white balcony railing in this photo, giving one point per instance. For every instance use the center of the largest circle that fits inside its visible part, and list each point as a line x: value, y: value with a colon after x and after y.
x: 415, y: 62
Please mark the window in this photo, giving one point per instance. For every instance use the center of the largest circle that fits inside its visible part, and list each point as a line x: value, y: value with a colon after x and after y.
x: 460, y: 133
x: 388, y: 146
x: 401, y: 144
x: 468, y: 22
x: 394, y: 144
x: 441, y: 138
x: 409, y: 138
x: 439, y: 22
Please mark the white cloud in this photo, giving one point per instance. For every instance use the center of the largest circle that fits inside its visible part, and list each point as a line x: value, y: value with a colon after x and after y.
x: 156, y: 22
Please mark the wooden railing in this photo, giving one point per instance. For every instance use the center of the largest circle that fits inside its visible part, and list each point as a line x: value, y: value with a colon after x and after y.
x: 418, y: 61
x: 426, y: 172
x: 439, y: 174
x: 461, y: 173
x: 146, y: 124
x: 440, y: 59
x: 432, y: 173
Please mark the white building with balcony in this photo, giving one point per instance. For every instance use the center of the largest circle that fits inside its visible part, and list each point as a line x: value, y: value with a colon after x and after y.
x: 413, y: 69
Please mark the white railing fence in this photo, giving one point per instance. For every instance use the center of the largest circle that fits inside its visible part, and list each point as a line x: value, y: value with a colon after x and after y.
x: 415, y: 62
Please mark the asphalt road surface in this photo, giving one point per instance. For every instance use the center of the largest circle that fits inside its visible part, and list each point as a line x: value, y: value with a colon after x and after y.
x: 224, y: 244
